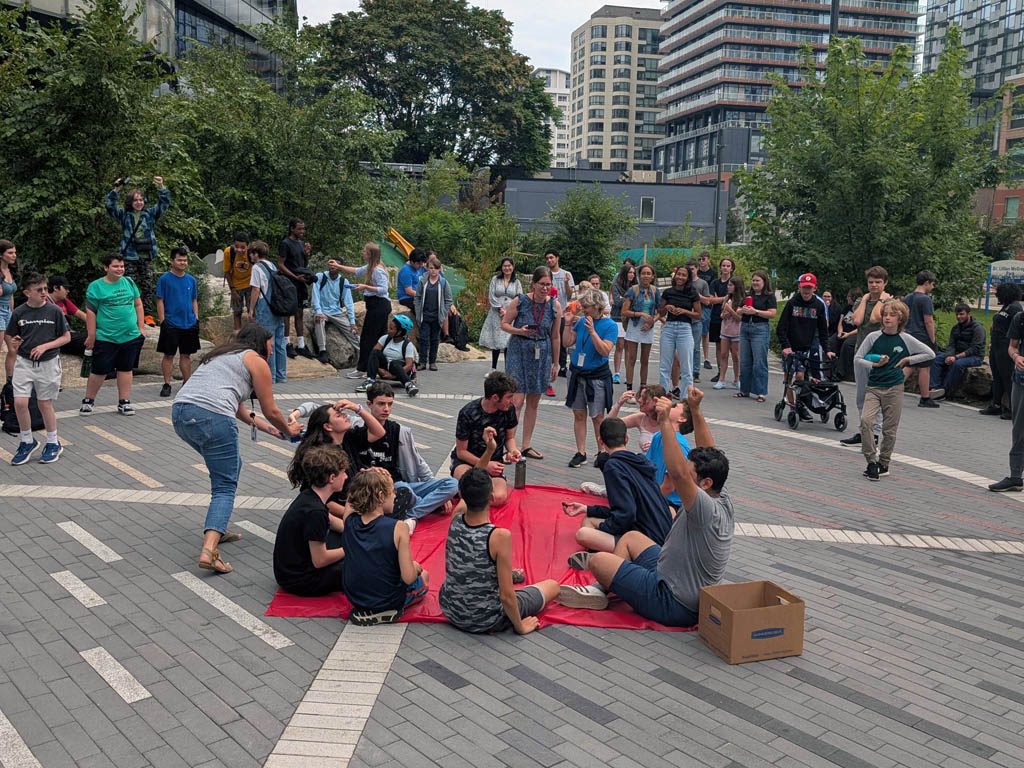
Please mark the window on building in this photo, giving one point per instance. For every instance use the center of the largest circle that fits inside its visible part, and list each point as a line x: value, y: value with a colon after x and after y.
x: 623, y: 30
x: 620, y: 100
x: 562, y: 98
x: 595, y: 113
x: 598, y: 87
x: 621, y: 72
x: 620, y: 86
x: 595, y: 127
x: 646, y: 117
x: 622, y: 114
x: 620, y: 127
x: 1012, y: 210
x: 623, y: 45
x: 650, y: 74
x: 642, y: 154
x: 598, y: 30
x: 595, y: 153
x: 598, y: 59
x: 596, y: 100
x: 598, y: 45
x: 646, y: 209
x: 618, y: 166
x: 620, y: 58
x: 618, y: 153
x: 597, y: 73
x: 620, y: 140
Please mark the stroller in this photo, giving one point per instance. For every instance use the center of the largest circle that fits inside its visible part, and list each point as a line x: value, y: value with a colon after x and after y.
x: 812, y: 395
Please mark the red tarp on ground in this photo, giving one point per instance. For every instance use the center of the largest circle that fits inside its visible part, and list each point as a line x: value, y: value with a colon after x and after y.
x: 542, y: 540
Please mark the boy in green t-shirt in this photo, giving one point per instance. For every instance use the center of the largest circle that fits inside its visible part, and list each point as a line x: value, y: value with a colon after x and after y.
x: 886, y: 356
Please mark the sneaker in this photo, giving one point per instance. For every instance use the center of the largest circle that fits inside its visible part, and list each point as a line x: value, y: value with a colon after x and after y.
x: 411, y: 389
x: 562, y: 372
x: 579, y: 561
x: 125, y: 408
x: 676, y: 393
x: 550, y: 392
x: 707, y: 364
x: 150, y: 321
x: 736, y: 385
x: 853, y: 440
x: 927, y: 402
x: 165, y: 390
x: 871, y: 473
x: 991, y: 410
x: 600, y: 459
x: 51, y: 452
x: 805, y: 415
x: 1014, y: 484
x: 590, y: 596
x: 354, y: 374
x: 364, y: 385
x: 86, y: 409
x: 410, y: 523
x: 883, y: 469
x: 594, y: 489
x: 433, y: 366
x: 304, y: 351
x: 24, y: 453
x: 716, y: 377
x: 938, y: 394
x: 373, y: 618
x: 1006, y: 416
x: 322, y: 357
x: 578, y: 460
x: 696, y: 378
x: 289, y: 349
x: 615, y: 379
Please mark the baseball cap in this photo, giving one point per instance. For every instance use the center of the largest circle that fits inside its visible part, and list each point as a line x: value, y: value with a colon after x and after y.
x: 807, y: 279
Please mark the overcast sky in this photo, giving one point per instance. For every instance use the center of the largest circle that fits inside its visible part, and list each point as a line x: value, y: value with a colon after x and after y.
x: 541, y: 28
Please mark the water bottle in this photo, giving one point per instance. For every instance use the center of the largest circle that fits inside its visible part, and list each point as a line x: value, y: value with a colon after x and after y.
x: 86, y: 364
x: 872, y: 358
x: 520, y: 481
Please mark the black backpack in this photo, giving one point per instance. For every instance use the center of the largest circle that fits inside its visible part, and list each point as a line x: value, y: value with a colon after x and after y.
x: 283, y: 299
x: 459, y: 332
x: 9, y: 419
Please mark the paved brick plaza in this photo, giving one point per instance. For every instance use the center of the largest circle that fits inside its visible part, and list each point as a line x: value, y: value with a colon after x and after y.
x: 128, y: 655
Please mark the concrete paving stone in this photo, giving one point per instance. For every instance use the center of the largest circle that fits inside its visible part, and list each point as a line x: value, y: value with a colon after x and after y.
x: 78, y: 743
x: 111, y: 703
x: 378, y: 734
x: 140, y: 733
x: 480, y: 736
x: 201, y: 725
x: 27, y: 681
x: 409, y: 757
x: 568, y: 698
x: 423, y: 720
x: 13, y: 701
x: 463, y: 749
x: 256, y: 743
x: 186, y: 744
x: 232, y: 755
x: 51, y: 709
x: 121, y: 751
x: 485, y: 700
x: 442, y: 674
x: 53, y: 753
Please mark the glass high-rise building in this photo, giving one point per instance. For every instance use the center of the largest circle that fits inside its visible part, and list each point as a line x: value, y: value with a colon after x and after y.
x: 716, y: 54
x: 613, y: 89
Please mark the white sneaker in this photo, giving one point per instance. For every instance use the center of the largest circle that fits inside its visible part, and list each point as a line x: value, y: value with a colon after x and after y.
x: 354, y: 374
x: 594, y: 489
x: 411, y: 525
x: 719, y: 385
x: 590, y: 596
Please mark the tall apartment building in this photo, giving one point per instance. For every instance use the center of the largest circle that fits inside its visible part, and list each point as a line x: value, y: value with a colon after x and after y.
x: 556, y: 85
x: 991, y: 32
x: 715, y: 55
x: 613, y: 90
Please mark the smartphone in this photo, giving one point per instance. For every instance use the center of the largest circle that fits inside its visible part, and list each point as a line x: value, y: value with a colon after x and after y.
x: 532, y: 327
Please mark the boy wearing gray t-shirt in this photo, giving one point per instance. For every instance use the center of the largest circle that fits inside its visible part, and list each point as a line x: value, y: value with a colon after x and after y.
x: 663, y: 583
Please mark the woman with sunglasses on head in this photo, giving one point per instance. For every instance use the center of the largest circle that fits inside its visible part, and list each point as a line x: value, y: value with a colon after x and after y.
x: 532, y: 355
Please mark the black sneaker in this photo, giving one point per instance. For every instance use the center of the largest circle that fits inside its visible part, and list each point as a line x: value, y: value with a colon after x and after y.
x: 707, y: 364
x: 600, y: 459
x: 305, y: 352
x: 165, y: 390
x: 871, y: 473
x: 883, y: 469
x: 322, y: 357
x: 676, y: 393
x: 927, y: 402
x: 991, y: 410
x: 696, y: 378
x: 714, y: 379
x: 853, y: 440
x: 578, y: 460
x: 289, y: 349
x: 1014, y: 484
x: 562, y: 372
x: 1006, y: 416
x: 805, y: 415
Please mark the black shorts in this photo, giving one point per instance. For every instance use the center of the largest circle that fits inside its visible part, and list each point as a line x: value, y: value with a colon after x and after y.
x: 715, y: 331
x: 108, y: 356
x: 174, y: 340
x: 302, y: 290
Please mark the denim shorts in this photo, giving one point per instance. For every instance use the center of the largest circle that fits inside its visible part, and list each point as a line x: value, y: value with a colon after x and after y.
x: 638, y: 584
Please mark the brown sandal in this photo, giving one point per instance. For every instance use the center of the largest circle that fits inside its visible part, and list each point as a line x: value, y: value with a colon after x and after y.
x: 229, y: 536
x: 533, y: 453
x: 216, y: 564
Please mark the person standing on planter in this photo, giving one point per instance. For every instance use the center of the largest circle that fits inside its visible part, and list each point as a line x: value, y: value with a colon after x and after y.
x: 138, y: 236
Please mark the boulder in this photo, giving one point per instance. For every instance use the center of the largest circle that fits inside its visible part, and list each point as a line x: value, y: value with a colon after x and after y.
x: 396, y: 309
x: 150, y: 359
x: 448, y: 353
x: 218, y: 328
x: 977, y: 384
x: 340, y: 351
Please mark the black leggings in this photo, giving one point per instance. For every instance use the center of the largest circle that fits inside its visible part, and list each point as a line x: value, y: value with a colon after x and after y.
x: 375, y: 325
x: 396, y: 367
x: 1002, y: 370
x: 495, y: 354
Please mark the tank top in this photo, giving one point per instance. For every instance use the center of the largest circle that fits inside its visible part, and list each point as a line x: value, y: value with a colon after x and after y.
x: 6, y: 291
x: 373, y: 580
x: 220, y: 385
x: 469, y: 595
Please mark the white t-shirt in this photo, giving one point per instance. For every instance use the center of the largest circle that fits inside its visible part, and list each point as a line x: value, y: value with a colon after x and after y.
x: 562, y: 280
x: 393, y: 349
x: 258, y: 277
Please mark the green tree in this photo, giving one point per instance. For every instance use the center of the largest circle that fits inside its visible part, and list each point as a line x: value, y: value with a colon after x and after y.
x: 589, y: 228
x: 444, y: 74
x: 873, y: 166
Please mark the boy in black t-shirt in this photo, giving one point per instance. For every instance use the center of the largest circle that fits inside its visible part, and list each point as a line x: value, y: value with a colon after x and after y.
x: 495, y: 410
x: 307, y: 552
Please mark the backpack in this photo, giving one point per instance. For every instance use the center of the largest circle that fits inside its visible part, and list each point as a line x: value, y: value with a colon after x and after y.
x: 283, y: 299
x: 323, y: 282
x: 459, y: 332
x: 9, y: 419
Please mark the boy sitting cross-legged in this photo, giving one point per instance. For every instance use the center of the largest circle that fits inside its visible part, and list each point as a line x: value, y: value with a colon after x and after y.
x: 477, y: 594
x: 381, y: 578
x: 308, y: 552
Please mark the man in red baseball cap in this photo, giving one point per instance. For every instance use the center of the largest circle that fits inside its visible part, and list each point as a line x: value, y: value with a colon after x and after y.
x: 802, y: 329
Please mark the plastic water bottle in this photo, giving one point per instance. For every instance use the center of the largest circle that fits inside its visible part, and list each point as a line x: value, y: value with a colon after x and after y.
x: 872, y: 358
x: 86, y: 364
x: 520, y: 481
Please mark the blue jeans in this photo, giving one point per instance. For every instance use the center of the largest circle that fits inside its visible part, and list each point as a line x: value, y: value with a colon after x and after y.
x: 275, y: 325
x: 676, y: 341
x: 431, y: 494
x: 215, y: 437
x: 754, y: 358
x: 697, y: 329
x: 949, y: 376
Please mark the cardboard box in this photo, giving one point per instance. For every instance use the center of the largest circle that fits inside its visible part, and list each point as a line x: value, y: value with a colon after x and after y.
x: 751, y: 621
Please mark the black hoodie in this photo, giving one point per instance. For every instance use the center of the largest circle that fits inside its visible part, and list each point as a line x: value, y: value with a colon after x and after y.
x: 634, y: 498
x: 802, y: 322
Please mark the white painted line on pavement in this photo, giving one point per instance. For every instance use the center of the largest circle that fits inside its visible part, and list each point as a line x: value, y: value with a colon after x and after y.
x: 405, y: 404
x: 257, y: 530
x: 201, y: 468
x: 276, y: 448
x: 444, y: 470
x: 131, y: 471
x: 233, y: 611
x: 431, y: 427
x: 14, y: 752
x: 113, y: 438
x: 78, y: 589
x: 120, y: 679
x: 90, y: 542
x: 331, y: 717
x: 877, y: 538
x: 281, y: 474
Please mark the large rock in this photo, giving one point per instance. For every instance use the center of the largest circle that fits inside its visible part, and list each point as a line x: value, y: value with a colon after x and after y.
x: 396, y: 309
x: 218, y: 328
x: 447, y: 353
x: 340, y: 351
x: 977, y: 384
x: 150, y: 359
